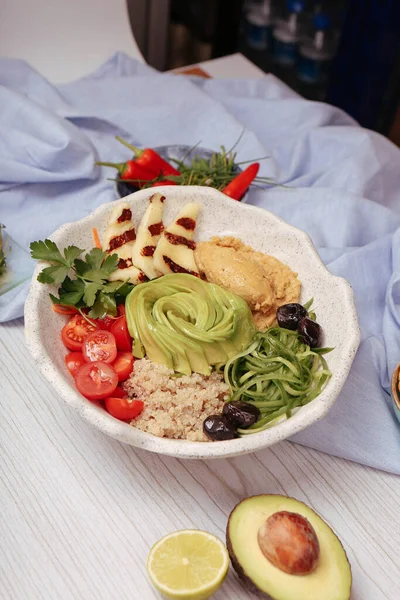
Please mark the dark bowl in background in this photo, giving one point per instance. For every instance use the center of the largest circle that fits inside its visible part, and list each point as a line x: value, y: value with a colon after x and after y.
x: 177, y: 152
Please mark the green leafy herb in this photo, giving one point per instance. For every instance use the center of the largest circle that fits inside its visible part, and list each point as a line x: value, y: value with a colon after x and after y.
x: 90, y: 288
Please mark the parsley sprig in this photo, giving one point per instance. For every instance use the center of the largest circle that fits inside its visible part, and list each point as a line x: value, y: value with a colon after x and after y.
x: 90, y: 288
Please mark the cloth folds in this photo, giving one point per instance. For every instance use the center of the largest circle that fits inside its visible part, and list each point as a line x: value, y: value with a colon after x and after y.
x: 346, y: 197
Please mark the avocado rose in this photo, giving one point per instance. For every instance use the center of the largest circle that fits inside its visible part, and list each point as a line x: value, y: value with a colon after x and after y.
x: 187, y: 324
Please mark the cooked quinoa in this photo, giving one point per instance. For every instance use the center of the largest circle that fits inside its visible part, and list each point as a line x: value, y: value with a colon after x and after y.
x: 175, y: 407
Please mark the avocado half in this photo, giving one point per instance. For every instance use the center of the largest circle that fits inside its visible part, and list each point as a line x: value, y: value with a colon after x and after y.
x: 331, y: 580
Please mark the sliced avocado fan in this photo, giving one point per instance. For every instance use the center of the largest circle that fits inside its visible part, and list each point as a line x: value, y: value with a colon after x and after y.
x: 187, y: 324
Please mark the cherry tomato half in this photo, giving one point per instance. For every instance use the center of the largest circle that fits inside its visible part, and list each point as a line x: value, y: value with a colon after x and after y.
x: 75, y: 332
x: 119, y: 329
x: 74, y: 361
x: 100, y: 345
x: 119, y: 392
x: 121, y: 310
x: 106, y: 322
x: 123, y: 408
x: 96, y: 380
x: 123, y: 365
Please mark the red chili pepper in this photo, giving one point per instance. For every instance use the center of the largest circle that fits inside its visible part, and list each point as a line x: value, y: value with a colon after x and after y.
x: 130, y: 170
x: 150, y: 160
x: 238, y: 186
x: 166, y: 182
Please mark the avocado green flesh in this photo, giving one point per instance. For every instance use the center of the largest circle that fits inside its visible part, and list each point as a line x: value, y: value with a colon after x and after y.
x: 187, y: 324
x: 332, y: 578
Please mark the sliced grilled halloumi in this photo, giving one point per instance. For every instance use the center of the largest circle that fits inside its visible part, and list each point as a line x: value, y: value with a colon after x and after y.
x: 148, y: 235
x: 119, y: 239
x: 175, y: 249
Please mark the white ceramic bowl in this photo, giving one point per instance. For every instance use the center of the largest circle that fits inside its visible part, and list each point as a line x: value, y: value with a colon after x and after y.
x: 219, y: 216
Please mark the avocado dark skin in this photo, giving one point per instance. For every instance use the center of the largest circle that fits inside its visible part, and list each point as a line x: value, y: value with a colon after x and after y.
x: 239, y: 569
x: 244, y: 523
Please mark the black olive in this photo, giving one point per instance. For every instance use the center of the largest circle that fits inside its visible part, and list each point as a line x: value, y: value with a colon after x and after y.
x: 289, y: 315
x: 310, y: 332
x: 241, y: 414
x: 125, y: 188
x: 218, y: 428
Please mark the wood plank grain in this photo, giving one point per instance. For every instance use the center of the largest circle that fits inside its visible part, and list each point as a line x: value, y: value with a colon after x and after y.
x: 80, y: 510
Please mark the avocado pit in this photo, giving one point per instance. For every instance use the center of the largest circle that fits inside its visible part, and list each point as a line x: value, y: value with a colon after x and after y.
x: 289, y: 542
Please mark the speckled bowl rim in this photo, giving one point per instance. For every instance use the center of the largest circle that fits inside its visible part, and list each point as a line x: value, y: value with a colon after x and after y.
x: 182, y: 448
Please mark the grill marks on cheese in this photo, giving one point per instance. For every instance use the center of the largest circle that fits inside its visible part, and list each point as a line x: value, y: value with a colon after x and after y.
x: 148, y: 235
x: 151, y: 251
x: 120, y: 239
x: 175, y: 250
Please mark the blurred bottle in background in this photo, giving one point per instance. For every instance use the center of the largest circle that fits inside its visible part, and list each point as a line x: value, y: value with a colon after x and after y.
x: 317, y: 51
x: 295, y: 40
x: 288, y: 33
x: 258, y: 24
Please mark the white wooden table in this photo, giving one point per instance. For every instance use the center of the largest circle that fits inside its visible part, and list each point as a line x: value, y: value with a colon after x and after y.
x: 79, y: 511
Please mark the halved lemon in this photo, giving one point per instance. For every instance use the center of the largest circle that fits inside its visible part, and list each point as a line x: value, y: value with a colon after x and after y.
x: 188, y: 564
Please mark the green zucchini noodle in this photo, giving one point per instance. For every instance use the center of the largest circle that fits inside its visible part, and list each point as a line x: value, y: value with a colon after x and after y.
x: 277, y: 373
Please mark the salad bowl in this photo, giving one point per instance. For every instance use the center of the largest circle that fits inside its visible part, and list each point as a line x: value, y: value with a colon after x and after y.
x: 219, y: 216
